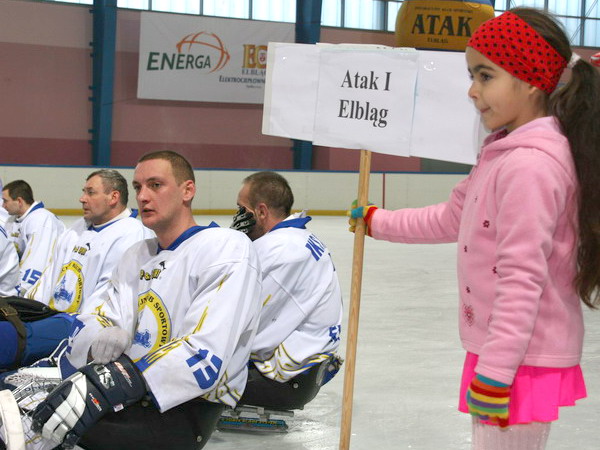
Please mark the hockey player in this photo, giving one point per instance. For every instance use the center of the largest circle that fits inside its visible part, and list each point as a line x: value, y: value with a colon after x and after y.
x: 82, y: 263
x: 33, y: 229
x: 293, y: 353
x: 90, y: 249
x: 170, y: 338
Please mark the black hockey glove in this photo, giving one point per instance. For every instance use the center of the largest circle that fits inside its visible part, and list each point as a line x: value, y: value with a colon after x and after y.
x: 85, y: 397
x: 243, y: 220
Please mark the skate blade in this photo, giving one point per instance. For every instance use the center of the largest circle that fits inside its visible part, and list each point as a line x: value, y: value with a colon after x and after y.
x: 252, y: 425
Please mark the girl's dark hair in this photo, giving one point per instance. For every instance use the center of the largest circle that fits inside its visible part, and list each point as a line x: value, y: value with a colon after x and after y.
x: 576, y: 105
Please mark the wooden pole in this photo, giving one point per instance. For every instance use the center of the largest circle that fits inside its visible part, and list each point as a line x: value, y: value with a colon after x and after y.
x: 355, y: 288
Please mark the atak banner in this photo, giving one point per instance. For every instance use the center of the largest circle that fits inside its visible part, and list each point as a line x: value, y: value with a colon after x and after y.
x: 207, y: 59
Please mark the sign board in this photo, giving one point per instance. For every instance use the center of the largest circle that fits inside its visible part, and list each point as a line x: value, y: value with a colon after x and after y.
x: 365, y: 99
x: 207, y: 59
x: 446, y: 125
x: 431, y: 117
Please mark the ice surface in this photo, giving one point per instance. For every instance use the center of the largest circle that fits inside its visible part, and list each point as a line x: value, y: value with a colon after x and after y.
x: 409, y: 359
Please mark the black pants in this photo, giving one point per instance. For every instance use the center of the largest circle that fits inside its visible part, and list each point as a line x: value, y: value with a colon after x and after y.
x: 142, y: 426
x: 293, y: 394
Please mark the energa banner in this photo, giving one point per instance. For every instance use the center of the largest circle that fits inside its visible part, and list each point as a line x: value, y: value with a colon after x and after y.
x: 207, y: 59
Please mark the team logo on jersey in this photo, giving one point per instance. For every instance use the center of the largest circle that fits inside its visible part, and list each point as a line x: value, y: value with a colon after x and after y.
x: 155, y: 273
x: 142, y: 338
x: 154, y: 324
x: 81, y: 250
x: 68, y: 292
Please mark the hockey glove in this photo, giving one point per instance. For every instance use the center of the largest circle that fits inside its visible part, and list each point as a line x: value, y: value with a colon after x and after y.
x: 243, y: 220
x: 361, y: 212
x: 110, y: 343
x: 85, y: 397
x: 489, y: 400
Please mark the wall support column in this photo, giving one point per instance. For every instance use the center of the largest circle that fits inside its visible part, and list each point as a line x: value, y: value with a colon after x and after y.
x: 308, y: 31
x: 103, y: 68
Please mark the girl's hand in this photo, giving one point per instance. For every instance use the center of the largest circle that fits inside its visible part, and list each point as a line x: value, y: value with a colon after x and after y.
x: 489, y: 399
x: 364, y: 212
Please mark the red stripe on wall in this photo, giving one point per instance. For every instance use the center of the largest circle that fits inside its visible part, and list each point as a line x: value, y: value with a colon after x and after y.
x: 68, y: 152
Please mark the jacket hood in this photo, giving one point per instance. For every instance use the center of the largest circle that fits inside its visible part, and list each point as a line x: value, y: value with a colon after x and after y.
x: 543, y: 134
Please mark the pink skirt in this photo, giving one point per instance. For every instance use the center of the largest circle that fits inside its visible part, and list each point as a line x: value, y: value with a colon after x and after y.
x: 536, y: 392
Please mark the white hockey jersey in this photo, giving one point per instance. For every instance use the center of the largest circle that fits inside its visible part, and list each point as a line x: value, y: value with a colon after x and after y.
x: 192, y: 310
x: 84, y: 259
x: 3, y: 218
x: 9, y: 266
x: 34, y: 234
x: 300, y: 321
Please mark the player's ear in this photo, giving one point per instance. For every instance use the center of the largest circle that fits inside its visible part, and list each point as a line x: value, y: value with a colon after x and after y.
x: 189, y: 190
x: 115, y: 198
x: 261, y: 211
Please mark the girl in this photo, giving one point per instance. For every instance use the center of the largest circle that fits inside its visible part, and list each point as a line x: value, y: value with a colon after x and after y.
x: 527, y: 223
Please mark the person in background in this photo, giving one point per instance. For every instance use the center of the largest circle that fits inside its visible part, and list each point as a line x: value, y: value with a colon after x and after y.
x: 82, y: 263
x: 293, y: 353
x: 32, y: 228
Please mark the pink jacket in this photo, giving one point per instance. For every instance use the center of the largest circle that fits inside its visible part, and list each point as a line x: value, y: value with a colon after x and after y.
x: 514, y: 218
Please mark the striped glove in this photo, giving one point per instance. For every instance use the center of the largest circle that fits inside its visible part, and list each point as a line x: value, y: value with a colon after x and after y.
x: 364, y: 212
x: 489, y: 400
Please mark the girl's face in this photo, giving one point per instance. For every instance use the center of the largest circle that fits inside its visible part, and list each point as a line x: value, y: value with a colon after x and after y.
x: 502, y: 99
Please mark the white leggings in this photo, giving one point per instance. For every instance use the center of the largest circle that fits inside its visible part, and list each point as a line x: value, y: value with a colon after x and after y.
x: 531, y: 436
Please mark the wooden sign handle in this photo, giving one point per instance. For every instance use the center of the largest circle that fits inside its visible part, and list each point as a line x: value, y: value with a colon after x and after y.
x: 355, y: 288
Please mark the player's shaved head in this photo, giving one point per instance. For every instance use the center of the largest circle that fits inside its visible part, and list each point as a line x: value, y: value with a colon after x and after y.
x: 271, y: 189
x: 112, y: 181
x: 182, y: 169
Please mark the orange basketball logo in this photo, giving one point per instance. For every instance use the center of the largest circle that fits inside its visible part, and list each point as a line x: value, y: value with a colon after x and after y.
x: 209, y: 40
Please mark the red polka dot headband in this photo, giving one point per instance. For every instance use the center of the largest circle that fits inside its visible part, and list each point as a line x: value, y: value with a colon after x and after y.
x: 511, y: 43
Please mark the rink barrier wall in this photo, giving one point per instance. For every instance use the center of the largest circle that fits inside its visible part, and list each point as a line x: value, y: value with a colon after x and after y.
x: 320, y: 192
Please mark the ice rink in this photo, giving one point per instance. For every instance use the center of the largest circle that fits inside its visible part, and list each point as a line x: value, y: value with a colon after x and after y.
x: 409, y: 359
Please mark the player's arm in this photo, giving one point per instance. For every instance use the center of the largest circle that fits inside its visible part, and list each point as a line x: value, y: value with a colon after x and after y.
x: 38, y: 254
x: 42, y: 289
x: 112, y: 308
x: 222, y: 317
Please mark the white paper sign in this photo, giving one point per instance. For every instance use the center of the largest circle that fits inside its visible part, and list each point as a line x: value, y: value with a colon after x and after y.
x: 446, y: 125
x: 440, y: 120
x: 208, y: 59
x: 289, y: 111
x: 365, y: 99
